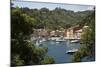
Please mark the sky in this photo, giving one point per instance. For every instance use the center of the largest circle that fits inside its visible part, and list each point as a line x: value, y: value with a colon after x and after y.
x: 52, y: 6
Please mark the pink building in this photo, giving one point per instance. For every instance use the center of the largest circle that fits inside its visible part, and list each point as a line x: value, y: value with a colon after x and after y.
x: 73, y: 32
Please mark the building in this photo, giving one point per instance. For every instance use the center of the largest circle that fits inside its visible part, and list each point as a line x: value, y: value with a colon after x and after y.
x: 78, y: 33
x: 73, y: 32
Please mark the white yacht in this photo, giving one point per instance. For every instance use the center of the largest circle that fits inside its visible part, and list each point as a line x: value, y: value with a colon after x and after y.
x: 74, y: 41
x: 71, y: 51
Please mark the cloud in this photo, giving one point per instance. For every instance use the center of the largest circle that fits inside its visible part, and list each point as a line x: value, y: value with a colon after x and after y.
x: 90, y: 8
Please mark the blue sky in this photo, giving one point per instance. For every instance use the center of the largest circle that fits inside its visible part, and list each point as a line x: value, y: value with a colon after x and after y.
x: 52, y: 6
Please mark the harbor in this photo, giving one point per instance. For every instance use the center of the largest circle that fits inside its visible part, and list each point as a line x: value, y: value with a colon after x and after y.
x: 58, y: 50
x: 62, y: 45
x: 51, y: 33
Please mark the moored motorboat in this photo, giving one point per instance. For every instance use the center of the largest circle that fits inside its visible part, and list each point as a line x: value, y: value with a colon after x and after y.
x: 71, y: 51
x: 74, y: 41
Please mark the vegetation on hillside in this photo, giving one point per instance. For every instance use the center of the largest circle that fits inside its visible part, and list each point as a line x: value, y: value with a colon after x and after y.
x: 55, y: 19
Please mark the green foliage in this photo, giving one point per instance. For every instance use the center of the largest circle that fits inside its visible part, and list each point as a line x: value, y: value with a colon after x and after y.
x: 52, y: 19
x: 86, y: 36
x: 83, y: 52
x: 47, y: 60
x: 16, y: 60
x: 87, y: 39
x: 21, y: 24
x: 23, y: 52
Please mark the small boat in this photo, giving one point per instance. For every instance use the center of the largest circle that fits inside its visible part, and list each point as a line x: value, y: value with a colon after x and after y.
x: 74, y: 41
x: 71, y: 51
x: 57, y: 42
x: 60, y: 40
x: 53, y: 38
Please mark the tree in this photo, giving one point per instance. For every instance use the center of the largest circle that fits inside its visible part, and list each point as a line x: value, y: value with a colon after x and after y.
x: 87, y: 39
x: 47, y: 60
x: 23, y: 51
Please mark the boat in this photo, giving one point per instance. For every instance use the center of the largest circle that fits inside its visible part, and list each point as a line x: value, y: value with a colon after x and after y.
x: 74, y: 41
x: 53, y: 38
x: 71, y: 51
x: 60, y: 40
x: 57, y: 42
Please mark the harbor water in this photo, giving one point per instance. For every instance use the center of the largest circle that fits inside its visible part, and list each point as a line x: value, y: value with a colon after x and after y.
x: 58, y: 50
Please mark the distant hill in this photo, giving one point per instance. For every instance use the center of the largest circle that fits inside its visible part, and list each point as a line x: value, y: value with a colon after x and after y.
x: 57, y: 18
